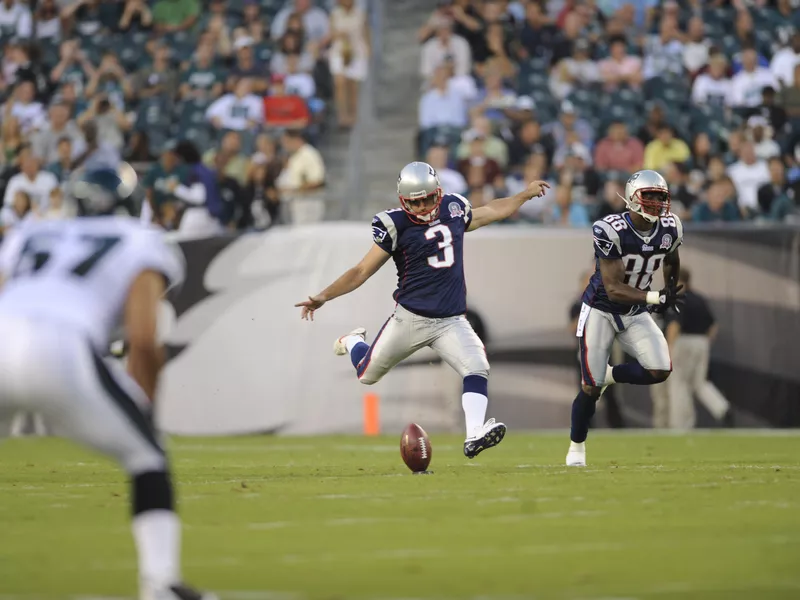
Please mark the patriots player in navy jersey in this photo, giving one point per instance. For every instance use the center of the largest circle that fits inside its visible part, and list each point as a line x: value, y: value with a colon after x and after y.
x: 425, y: 238
x: 628, y: 249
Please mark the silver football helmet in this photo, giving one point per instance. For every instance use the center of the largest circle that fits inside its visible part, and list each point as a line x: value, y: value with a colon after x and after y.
x: 420, y: 192
x: 647, y: 194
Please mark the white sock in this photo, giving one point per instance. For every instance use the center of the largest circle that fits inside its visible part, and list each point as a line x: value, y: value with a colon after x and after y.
x: 609, y: 374
x: 158, y: 542
x: 351, y: 340
x: 474, y: 411
x: 577, y: 446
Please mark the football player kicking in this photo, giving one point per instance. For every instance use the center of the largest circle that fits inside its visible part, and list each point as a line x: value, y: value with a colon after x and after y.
x: 65, y: 287
x: 425, y: 237
x: 628, y: 249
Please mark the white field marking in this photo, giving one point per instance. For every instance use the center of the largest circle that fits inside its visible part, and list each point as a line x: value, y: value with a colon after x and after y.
x: 269, y: 525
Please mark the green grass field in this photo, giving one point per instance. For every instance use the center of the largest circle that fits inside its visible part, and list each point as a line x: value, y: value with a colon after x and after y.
x: 712, y: 516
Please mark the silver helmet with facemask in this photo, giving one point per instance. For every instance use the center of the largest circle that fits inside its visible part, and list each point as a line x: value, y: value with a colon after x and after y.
x: 647, y: 195
x: 420, y: 192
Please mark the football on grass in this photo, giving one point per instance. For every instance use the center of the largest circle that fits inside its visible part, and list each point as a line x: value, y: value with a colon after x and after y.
x: 415, y: 448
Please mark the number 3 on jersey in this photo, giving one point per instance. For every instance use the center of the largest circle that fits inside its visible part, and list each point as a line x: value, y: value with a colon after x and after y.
x: 446, y: 259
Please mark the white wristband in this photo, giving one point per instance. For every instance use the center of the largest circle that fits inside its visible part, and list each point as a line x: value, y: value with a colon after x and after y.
x: 653, y: 297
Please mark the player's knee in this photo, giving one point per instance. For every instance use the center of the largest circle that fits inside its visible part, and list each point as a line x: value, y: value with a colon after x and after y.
x: 591, y: 390
x: 659, y: 374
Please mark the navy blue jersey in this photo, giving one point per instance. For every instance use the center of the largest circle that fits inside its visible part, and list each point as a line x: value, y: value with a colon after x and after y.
x: 615, y: 237
x: 429, y: 257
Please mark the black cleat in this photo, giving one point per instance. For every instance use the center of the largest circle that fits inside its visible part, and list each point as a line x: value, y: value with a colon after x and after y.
x: 492, y: 434
x: 181, y: 592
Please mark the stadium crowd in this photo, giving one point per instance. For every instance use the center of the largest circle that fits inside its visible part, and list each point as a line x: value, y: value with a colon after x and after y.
x: 585, y: 92
x: 231, y: 93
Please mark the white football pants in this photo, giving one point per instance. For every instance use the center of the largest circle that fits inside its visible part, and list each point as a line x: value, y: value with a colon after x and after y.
x: 53, y: 370
x: 638, y: 335
x: 404, y: 333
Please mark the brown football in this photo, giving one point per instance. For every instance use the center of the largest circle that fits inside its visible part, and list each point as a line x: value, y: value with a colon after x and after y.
x: 415, y: 448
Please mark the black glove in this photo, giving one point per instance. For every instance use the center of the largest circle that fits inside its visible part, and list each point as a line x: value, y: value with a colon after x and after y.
x: 671, y: 296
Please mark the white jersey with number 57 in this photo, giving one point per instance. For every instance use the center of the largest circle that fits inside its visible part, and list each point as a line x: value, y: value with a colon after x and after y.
x: 77, y: 273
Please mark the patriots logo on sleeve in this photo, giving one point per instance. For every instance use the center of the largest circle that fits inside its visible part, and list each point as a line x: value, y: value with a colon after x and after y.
x: 605, y: 246
x: 378, y: 234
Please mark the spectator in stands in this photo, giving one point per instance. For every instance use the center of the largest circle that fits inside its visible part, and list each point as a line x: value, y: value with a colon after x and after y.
x: 15, y: 20
x: 158, y: 79
x: 261, y: 184
x: 494, y: 147
x: 289, y: 45
x: 477, y: 159
x: 573, y: 72
x: 315, y: 20
x: 91, y: 17
x: 774, y: 114
x: 48, y: 21
x: 238, y: 111
x: 73, y: 66
x: 36, y: 183
x: 569, y: 123
x: 11, y: 140
x: 170, y: 16
x: 234, y: 163
x: 716, y: 206
x: 462, y: 84
x: 702, y: 152
x: 576, y: 164
x: 204, y: 208
x: 298, y: 82
x: 445, y: 44
x: 111, y: 123
x: 348, y: 58
x: 58, y: 207
x: 441, y: 106
x: 61, y: 167
x: 110, y: 79
x: 785, y: 61
x: 613, y: 202
x: 218, y: 37
x: 136, y: 11
x: 246, y: 65
x: 664, y: 52
x: 695, y: 50
x: 713, y: 87
x: 497, y: 54
x: 760, y: 133
x: 452, y: 181
x: 665, y: 149
x: 620, y: 68
x: 777, y: 198
x: 570, y: 33
x: 527, y: 139
x: 15, y: 212
x: 748, y: 174
x: 619, y: 151
x: 747, y: 84
x: 682, y: 198
x: 283, y: 109
x: 23, y: 107
x: 494, y: 99
x: 789, y: 99
x: 201, y: 79
x: 538, y: 35
x: 46, y: 140
x: 160, y: 183
x: 302, y: 180
x: 535, y: 168
x: 67, y: 93
x: 565, y: 212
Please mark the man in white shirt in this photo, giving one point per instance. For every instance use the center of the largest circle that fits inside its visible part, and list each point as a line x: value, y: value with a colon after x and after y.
x: 28, y: 112
x: 302, y: 180
x: 442, y: 105
x: 15, y: 20
x: 315, y: 20
x: 36, y: 183
x: 695, y: 51
x: 713, y: 87
x: 747, y: 84
x: 298, y: 82
x: 452, y: 181
x: 784, y: 61
x: 443, y: 45
x: 748, y: 174
x: 238, y: 111
x: 45, y: 141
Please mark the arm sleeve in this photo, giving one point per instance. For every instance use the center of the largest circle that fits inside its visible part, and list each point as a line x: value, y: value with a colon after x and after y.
x: 606, y: 239
x: 465, y: 206
x: 384, y: 232
x: 194, y: 194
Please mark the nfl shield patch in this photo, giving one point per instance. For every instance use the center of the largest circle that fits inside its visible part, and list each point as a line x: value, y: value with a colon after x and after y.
x: 455, y: 210
x: 666, y: 242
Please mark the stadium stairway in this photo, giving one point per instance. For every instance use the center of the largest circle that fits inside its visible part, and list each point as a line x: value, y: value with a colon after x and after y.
x: 383, y: 139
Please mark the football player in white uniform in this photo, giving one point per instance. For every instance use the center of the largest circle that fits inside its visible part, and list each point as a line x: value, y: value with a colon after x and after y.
x: 65, y: 287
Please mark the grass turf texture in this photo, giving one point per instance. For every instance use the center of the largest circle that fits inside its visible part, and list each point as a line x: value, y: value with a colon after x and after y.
x: 712, y: 516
